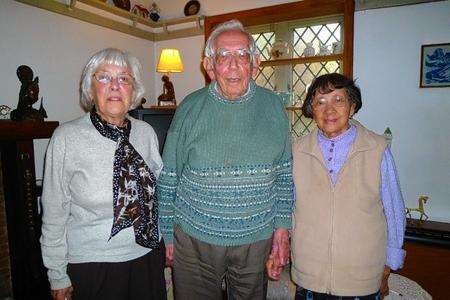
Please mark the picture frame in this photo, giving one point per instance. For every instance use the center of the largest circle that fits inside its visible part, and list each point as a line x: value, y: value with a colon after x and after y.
x: 435, y: 65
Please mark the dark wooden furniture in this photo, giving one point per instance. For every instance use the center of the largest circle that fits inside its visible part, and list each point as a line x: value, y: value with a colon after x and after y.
x: 29, y: 277
x: 159, y: 117
x: 427, y: 262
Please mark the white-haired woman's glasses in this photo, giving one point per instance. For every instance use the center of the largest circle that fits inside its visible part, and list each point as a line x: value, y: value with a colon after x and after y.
x: 107, y: 78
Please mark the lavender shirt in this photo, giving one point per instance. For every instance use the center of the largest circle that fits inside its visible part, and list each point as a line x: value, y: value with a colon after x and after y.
x: 335, y: 153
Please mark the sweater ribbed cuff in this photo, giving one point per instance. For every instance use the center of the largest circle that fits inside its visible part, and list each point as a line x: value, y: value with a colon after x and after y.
x: 57, y: 284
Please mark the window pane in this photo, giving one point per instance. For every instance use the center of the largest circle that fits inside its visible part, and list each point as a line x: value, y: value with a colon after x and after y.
x: 264, y: 42
x: 318, y: 35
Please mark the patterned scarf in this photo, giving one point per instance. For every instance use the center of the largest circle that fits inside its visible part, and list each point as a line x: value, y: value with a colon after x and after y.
x: 134, y: 197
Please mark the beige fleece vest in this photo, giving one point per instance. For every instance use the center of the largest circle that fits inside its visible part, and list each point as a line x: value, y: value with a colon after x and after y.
x: 339, y: 232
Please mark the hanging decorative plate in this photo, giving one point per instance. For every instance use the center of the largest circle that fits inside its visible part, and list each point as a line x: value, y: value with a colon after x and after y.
x: 191, y: 8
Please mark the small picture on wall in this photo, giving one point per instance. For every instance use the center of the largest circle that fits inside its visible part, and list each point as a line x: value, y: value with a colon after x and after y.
x: 435, y: 66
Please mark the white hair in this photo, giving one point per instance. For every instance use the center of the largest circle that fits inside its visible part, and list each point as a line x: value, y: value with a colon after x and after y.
x: 118, y: 58
x: 232, y: 25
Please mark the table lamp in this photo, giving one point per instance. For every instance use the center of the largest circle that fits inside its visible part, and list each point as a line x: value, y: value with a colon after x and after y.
x: 169, y: 62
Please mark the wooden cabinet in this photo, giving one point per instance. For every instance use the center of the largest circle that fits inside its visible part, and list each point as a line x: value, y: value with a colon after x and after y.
x: 29, y: 276
x: 427, y: 260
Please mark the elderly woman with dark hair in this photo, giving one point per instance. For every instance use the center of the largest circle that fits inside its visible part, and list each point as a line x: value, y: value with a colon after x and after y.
x: 100, y: 237
x: 349, y: 220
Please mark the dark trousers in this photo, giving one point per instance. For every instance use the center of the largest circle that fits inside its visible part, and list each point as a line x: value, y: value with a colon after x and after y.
x: 200, y: 269
x: 137, y: 279
x: 304, y: 294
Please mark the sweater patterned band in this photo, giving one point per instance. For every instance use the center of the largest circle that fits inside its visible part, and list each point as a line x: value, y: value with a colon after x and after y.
x: 133, y: 186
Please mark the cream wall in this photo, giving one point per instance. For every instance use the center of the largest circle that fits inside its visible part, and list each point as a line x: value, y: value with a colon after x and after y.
x: 386, y: 65
x: 57, y: 47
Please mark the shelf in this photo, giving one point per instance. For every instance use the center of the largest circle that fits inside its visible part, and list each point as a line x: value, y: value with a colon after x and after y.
x: 301, y: 60
x: 130, y: 23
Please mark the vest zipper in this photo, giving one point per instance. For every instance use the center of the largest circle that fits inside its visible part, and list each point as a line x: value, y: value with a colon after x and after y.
x: 331, y: 242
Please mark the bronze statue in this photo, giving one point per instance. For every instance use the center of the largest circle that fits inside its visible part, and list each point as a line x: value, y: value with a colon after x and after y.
x: 28, y: 95
x: 168, y: 94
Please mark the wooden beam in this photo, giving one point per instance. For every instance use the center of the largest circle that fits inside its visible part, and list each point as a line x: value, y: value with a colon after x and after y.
x: 279, y: 13
x: 349, y: 14
x: 373, y: 4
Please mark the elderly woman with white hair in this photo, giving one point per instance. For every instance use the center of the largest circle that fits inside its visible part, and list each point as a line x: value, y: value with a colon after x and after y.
x: 100, y: 237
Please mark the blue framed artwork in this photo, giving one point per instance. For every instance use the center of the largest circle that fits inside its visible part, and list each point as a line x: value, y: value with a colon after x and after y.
x: 435, y: 66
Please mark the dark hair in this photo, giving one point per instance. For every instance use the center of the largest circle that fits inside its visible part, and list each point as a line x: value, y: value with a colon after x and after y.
x: 326, y: 84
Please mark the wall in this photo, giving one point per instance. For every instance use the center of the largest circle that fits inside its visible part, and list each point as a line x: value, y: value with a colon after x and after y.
x: 57, y: 47
x: 386, y: 65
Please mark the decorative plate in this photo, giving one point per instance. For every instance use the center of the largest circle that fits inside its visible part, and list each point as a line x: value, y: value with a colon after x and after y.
x: 191, y: 8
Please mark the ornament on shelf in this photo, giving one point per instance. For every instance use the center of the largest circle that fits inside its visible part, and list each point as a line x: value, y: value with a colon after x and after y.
x: 280, y: 49
x: 324, y: 50
x: 140, y: 10
x: 309, y: 50
x: 336, y: 47
x: 123, y: 4
x: 154, y: 12
x: 191, y: 8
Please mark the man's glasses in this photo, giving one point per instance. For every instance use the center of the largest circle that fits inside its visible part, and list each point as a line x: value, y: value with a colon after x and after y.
x: 223, y: 56
x: 319, y: 103
x: 106, y: 78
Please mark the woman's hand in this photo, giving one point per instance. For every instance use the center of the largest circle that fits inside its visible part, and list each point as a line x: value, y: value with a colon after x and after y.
x: 62, y: 294
x: 279, y: 256
x: 384, y: 289
x: 169, y: 255
x: 273, y: 268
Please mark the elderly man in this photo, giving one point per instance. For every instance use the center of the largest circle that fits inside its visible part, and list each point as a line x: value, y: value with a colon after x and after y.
x: 226, y: 190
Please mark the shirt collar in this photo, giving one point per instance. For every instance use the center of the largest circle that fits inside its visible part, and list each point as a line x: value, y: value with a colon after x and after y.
x: 348, y: 135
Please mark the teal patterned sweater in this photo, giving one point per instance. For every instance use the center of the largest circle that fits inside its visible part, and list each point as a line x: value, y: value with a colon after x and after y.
x: 227, y: 175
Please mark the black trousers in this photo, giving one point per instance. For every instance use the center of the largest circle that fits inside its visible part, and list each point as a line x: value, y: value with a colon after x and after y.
x: 140, y: 278
x: 304, y: 294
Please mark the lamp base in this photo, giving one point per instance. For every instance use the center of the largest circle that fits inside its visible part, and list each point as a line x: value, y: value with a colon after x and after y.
x: 168, y: 94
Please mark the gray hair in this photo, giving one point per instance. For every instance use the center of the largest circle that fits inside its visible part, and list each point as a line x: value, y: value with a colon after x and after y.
x: 232, y: 25
x: 111, y: 56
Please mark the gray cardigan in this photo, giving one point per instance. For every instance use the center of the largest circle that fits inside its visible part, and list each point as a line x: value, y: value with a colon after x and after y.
x: 77, y: 197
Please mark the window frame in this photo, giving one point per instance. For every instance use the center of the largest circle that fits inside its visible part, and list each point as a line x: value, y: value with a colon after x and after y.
x: 302, y: 10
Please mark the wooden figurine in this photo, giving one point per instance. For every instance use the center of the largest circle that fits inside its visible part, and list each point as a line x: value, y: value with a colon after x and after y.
x: 168, y: 94
x: 28, y: 95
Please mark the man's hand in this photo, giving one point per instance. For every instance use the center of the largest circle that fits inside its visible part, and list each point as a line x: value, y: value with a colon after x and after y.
x: 279, y: 256
x: 169, y: 255
x: 280, y: 246
x: 384, y: 288
x: 62, y: 294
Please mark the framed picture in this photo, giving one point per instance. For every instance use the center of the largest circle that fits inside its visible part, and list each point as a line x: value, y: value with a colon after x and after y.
x: 435, y: 66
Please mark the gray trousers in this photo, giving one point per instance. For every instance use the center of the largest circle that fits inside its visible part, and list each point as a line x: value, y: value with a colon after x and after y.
x: 200, y: 268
